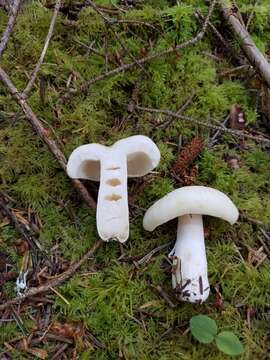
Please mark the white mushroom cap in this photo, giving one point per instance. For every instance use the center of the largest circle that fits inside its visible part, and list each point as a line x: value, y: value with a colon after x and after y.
x: 142, y: 156
x: 197, y: 200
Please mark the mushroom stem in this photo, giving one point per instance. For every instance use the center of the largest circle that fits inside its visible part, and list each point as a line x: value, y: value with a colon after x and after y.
x: 112, y: 205
x: 189, y: 275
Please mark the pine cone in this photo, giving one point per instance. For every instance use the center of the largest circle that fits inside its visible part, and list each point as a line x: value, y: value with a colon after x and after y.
x: 187, y: 155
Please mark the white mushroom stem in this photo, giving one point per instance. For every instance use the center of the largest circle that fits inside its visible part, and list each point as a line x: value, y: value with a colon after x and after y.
x: 189, y: 275
x: 112, y: 205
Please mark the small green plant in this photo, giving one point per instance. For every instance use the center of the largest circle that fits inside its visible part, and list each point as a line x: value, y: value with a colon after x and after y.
x: 205, y: 330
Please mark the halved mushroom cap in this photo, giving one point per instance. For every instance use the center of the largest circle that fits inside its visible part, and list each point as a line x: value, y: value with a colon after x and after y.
x: 84, y: 162
x: 142, y: 156
x: 198, y: 200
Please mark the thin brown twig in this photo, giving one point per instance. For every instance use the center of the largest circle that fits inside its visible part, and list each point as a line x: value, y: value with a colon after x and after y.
x: 260, y: 139
x: 56, y: 281
x: 85, y: 86
x: 32, y: 80
x: 10, y: 25
x: 44, y: 135
x: 135, y: 22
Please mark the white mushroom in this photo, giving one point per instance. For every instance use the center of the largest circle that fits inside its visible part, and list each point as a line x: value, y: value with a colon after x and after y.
x: 133, y: 156
x: 188, y: 204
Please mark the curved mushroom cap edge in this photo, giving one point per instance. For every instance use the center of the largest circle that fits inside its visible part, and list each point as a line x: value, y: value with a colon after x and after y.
x: 142, y: 153
x: 199, y: 200
x: 84, y: 162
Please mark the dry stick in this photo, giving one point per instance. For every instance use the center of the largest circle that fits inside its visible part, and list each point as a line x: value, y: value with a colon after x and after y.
x: 43, y: 134
x: 201, y: 123
x: 84, y: 87
x: 251, y: 51
x: 11, y: 22
x: 31, y: 82
x: 56, y: 281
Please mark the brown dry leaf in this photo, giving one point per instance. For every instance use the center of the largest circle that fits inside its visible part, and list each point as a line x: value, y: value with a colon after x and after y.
x: 233, y: 163
x: 70, y: 330
x: 21, y: 246
x: 5, y: 222
x: 39, y: 353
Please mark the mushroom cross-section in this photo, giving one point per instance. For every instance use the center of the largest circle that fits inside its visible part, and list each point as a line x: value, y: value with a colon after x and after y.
x: 134, y: 156
x: 188, y: 204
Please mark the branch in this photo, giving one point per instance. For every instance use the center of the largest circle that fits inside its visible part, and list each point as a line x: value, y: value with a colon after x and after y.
x: 44, y: 135
x: 11, y: 22
x: 42, y: 56
x: 251, y: 51
x: 260, y: 139
x: 84, y: 87
x: 54, y: 282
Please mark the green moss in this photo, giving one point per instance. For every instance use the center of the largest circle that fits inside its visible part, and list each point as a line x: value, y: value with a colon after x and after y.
x: 106, y: 302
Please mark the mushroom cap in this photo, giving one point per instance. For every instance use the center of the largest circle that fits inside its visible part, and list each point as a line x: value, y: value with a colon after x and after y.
x: 198, y: 200
x: 142, y: 156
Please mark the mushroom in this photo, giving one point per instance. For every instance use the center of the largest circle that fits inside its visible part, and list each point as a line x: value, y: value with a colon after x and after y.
x: 188, y: 204
x: 133, y: 156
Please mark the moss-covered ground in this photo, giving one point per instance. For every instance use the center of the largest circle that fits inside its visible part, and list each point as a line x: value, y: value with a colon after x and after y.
x: 108, y: 301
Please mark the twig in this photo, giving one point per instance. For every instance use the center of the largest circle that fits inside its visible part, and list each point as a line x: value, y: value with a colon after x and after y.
x: 265, y: 234
x: 89, y: 48
x: 60, y: 351
x: 181, y: 110
x: 144, y: 260
x: 213, y: 140
x: 21, y: 228
x: 266, y: 248
x: 251, y: 15
x: 84, y: 86
x: 42, y: 56
x: 164, y: 295
x: 218, y: 35
x: 11, y: 22
x: 259, y: 139
x: 43, y: 134
x: 109, y: 22
x: 248, y: 46
x: 135, y: 22
x: 56, y: 281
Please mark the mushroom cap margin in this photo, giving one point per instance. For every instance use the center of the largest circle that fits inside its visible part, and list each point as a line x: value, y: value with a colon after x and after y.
x: 84, y: 162
x: 199, y: 200
x: 142, y: 154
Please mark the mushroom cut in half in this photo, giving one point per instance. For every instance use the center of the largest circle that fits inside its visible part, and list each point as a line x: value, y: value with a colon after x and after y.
x: 188, y: 204
x: 111, y: 165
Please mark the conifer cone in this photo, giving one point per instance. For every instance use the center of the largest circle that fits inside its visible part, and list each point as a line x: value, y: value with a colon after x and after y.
x: 186, y: 157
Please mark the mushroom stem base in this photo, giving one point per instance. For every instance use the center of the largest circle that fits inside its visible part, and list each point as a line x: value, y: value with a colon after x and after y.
x: 189, y: 274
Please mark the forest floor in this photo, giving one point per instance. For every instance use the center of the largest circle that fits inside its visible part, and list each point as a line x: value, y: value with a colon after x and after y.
x: 117, y: 304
